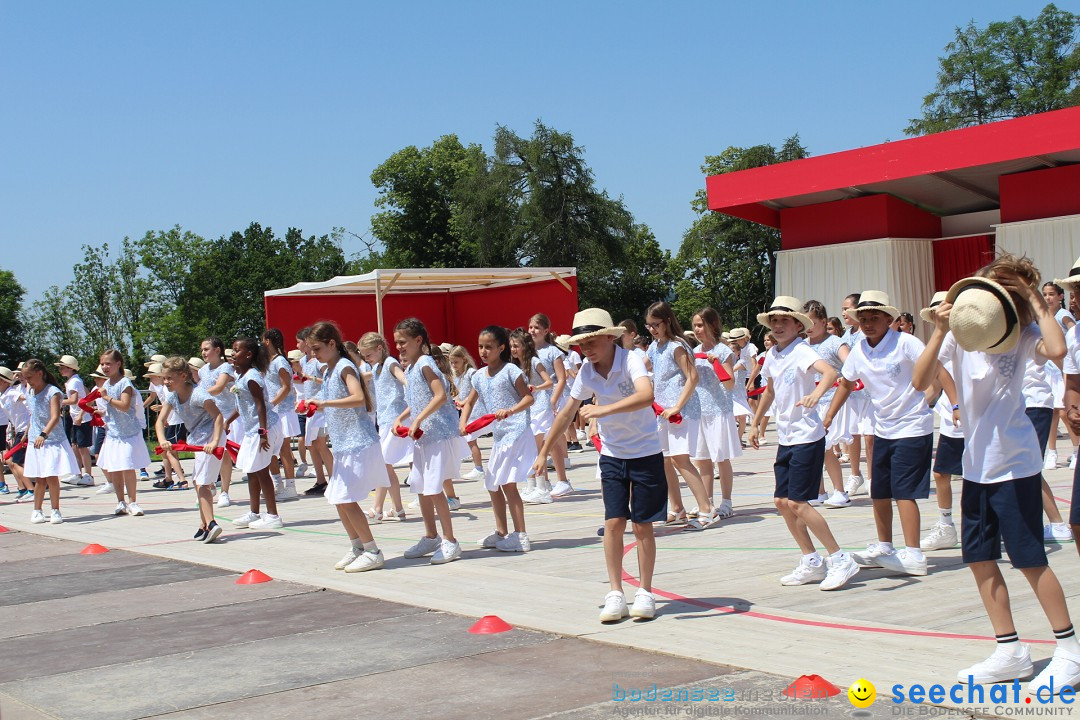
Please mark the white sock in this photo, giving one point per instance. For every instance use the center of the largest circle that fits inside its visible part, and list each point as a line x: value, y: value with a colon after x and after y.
x: 371, y: 547
x: 357, y: 544
x: 915, y: 552
x: 887, y: 547
x: 813, y: 559
x: 946, y: 517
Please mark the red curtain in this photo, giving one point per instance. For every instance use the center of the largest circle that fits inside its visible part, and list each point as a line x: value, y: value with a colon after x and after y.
x: 958, y: 258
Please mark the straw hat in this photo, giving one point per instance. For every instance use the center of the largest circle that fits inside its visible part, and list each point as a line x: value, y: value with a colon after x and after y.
x: 872, y: 300
x: 563, y: 341
x: 446, y: 348
x: 1073, y: 280
x: 6, y: 374
x: 593, y: 322
x: 99, y: 374
x: 295, y: 356
x: 782, y: 305
x: 197, y: 363
x: 725, y: 336
x: 983, y: 317
x: 939, y: 297
x: 228, y: 352
x: 689, y: 335
x: 69, y: 362
x: 20, y: 366
x: 153, y: 370
x: 128, y: 374
x: 155, y: 359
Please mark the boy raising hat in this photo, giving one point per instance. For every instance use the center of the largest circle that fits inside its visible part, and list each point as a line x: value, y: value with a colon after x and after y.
x: 631, y: 462
x: 790, y: 370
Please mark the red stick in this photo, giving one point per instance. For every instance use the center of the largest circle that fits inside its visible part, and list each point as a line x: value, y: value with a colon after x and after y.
x: 674, y: 419
x: 479, y: 423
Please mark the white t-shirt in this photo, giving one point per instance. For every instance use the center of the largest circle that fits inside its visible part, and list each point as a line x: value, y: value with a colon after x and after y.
x: 14, y: 402
x: 792, y: 375
x: 944, y: 411
x: 74, y: 384
x: 625, y: 435
x: 1071, y: 364
x: 1038, y: 393
x: 999, y: 440
x: 900, y: 411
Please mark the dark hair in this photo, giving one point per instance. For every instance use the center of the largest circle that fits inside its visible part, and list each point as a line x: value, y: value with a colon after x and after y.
x: 854, y: 297
x: 35, y: 364
x: 815, y: 309
x: 275, y: 338
x: 1058, y: 290
x: 629, y: 326
x: 260, y: 359
x: 711, y: 320
x: 327, y: 332
x: 663, y: 312
x: 544, y: 321
x: 303, y: 333
x: 412, y: 327
x: 641, y: 340
x: 500, y: 335
x: 528, y: 350
x: 115, y: 356
x: 837, y: 326
x: 216, y: 343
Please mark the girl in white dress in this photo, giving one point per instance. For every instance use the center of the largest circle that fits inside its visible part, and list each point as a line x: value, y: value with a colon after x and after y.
x: 217, y: 379
x: 388, y: 380
x: 523, y: 354
x: 279, y: 386
x: 464, y: 368
x: 124, y: 451
x: 48, y: 452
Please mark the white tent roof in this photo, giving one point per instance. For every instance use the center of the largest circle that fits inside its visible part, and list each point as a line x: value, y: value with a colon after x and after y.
x: 385, y: 281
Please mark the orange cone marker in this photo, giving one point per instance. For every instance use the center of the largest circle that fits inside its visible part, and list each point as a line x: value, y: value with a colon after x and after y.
x: 252, y: 577
x: 94, y: 549
x: 489, y: 625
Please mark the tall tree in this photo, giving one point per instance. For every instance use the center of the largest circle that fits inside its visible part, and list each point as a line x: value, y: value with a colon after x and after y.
x: 645, y: 276
x: 416, y: 187
x: 1005, y: 70
x: 11, y: 324
x: 725, y: 262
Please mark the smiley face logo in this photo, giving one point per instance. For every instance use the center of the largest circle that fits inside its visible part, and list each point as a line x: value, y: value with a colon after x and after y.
x: 862, y: 693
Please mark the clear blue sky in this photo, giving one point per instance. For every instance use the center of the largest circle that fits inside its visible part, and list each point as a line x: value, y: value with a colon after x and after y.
x: 123, y: 117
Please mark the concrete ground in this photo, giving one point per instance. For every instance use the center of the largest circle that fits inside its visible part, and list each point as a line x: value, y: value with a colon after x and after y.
x: 150, y: 629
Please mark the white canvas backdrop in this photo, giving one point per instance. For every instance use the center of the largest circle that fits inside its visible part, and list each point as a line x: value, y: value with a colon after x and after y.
x: 903, y: 268
x: 1053, y: 244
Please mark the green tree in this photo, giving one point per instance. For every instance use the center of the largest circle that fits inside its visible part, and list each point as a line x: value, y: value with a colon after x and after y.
x: 1005, y: 70
x: 645, y: 276
x: 416, y: 186
x: 52, y: 330
x: 11, y: 324
x: 725, y: 262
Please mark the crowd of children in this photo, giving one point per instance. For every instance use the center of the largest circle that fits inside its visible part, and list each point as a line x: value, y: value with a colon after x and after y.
x: 999, y: 374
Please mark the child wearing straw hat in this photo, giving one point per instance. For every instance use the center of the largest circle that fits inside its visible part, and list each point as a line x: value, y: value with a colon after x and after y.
x: 903, y: 430
x: 632, y: 476
x: 175, y: 431
x: 790, y: 370
x: 13, y: 405
x: 77, y: 426
x: 986, y: 327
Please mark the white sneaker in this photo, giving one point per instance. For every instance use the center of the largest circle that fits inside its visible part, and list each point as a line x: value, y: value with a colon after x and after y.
x: 1002, y: 666
x: 134, y: 509
x: 853, y: 484
x: 302, y: 470
x: 85, y: 481
x: 288, y: 490
x: 56, y: 518
x: 447, y: 552
x: 581, y: 436
x: 840, y: 570
x: 37, y: 517
x: 903, y: 561
x: 266, y: 522
x: 454, y: 503
x: 871, y: 556
x: 1051, y: 460
x: 644, y: 606
x: 69, y: 479
x: 1057, y: 533
x: 845, y: 459
x: 474, y: 474
x: 805, y: 573
x: 514, y: 542
x: 491, y: 540
x: 426, y: 546
x: 819, y: 500
x: 105, y: 489
x: 349, y: 557
x: 246, y: 519
x: 414, y: 504
x: 941, y: 537
x: 1063, y: 671
x: 839, y: 499
x: 561, y: 488
x: 366, y: 561
x: 279, y: 484
x: 529, y: 491
x: 224, y: 500
x: 540, y: 497
x: 614, y: 607
x: 121, y: 509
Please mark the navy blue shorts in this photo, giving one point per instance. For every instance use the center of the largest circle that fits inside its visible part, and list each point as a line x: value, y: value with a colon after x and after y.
x: 82, y: 435
x: 634, y: 488
x: 19, y: 458
x: 3, y: 438
x: 798, y: 470
x: 902, y: 468
x: 1074, y: 511
x: 949, y: 459
x: 302, y: 417
x: 176, y: 433
x: 1041, y: 418
x: 1009, y: 511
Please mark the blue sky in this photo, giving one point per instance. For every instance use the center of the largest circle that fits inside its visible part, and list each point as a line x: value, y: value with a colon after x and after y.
x: 123, y: 117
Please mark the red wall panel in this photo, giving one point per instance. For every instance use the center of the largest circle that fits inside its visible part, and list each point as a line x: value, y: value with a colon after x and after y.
x: 1040, y: 194
x: 863, y: 218
x: 958, y: 258
x: 512, y: 307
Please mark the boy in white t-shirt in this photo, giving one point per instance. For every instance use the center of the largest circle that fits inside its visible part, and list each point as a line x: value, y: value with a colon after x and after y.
x: 631, y: 462
x: 76, y: 422
x: 790, y: 370
x: 986, y: 329
x: 903, y: 430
